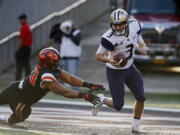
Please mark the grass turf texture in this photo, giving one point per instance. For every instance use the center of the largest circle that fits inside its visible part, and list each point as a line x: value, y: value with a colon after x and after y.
x: 22, y: 132
x: 152, y: 99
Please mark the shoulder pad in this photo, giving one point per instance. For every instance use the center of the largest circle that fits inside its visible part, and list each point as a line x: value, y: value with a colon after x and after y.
x: 135, y: 24
x: 48, y: 77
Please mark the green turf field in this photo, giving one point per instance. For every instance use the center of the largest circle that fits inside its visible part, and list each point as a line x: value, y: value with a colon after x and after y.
x: 152, y: 99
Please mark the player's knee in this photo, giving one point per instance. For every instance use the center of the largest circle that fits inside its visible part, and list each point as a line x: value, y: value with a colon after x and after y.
x: 25, y: 114
x: 17, y: 118
x: 119, y: 106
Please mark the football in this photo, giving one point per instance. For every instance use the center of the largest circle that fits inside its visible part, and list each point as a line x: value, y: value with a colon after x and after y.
x: 120, y: 57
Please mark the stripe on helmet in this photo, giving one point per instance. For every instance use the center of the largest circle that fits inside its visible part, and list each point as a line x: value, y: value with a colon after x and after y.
x: 118, y: 15
x: 115, y: 15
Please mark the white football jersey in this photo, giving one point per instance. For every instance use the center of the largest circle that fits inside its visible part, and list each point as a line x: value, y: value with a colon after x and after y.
x: 114, y: 44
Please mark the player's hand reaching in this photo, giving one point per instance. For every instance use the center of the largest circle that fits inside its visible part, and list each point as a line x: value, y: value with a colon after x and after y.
x: 88, y: 96
x: 93, y: 86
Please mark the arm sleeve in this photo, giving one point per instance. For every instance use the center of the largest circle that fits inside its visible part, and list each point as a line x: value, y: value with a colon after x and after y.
x: 107, y: 44
x: 101, y: 49
x: 47, y: 77
x: 76, y: 37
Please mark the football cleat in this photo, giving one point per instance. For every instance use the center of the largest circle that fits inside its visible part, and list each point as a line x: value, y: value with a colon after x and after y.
x: 97, y: 107
x: 136, y: 128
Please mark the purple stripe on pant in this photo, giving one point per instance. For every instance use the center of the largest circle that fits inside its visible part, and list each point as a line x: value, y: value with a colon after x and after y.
x: 131, y: 77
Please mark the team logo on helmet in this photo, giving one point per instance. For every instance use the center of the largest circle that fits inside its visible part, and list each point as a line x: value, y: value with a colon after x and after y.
x: 119, y: 22
x: 49, y: 57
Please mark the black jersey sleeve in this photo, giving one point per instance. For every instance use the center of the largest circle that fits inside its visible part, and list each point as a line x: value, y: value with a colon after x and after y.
x: 107, y: 44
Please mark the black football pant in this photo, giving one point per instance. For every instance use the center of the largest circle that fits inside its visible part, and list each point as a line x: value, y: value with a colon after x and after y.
x: 11, y: 95
x: 23, y: 61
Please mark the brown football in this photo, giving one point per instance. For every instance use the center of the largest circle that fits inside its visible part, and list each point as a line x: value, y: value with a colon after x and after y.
x: 120, y: 56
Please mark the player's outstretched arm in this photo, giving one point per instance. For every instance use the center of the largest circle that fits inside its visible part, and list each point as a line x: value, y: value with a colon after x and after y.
x: 75, y: 81
x: 59, y: 89
x: 70, y: 79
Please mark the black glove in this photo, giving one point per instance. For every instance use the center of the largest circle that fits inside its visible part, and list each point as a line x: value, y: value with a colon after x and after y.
x: 93, y: 86
x: 89, y: 97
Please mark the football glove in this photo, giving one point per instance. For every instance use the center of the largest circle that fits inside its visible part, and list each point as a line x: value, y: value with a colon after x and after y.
x: 93, y: 86
x: 88, y: 96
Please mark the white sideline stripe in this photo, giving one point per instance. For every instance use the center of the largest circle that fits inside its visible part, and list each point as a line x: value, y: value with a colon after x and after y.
x: 49, y: 17
x: 35, y: 131
x: 89, y: 104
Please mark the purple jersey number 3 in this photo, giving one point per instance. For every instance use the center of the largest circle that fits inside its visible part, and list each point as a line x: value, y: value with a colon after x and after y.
x: 130, y: 50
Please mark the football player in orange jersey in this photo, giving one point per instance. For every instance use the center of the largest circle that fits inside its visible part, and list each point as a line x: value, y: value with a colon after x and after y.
x: 21, y: 95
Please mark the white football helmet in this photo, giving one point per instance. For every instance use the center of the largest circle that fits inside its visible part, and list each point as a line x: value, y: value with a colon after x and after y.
x: 119, y: 22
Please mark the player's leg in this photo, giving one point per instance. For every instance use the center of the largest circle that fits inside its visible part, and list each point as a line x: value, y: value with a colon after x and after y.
x: 20, y: 112
x: 11, y: 96
x: 116, y: 85
x: 135, y: 84
x: 4, y: 95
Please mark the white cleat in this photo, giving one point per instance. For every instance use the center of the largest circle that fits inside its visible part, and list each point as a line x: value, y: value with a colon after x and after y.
x: 97, y: 107
x: 136, y: 128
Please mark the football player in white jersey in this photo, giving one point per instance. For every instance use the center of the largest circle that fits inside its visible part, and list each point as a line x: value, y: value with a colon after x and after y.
x: 122, y: 38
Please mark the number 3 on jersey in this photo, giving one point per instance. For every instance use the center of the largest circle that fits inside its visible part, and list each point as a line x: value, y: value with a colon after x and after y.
x: 33, y: 76
x: 130, y: 50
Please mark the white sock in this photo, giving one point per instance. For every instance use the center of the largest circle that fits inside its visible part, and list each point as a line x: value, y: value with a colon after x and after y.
x: 136, y: 121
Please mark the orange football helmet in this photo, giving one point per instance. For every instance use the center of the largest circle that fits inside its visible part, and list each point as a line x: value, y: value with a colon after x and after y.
x: 50, y: 58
